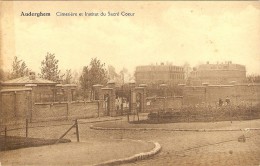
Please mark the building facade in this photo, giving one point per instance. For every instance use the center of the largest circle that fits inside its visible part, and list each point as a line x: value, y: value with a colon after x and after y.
x: 217, y: 74
x: 159, y: 74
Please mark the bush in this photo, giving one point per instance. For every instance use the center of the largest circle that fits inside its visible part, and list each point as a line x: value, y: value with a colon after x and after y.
x: 208, y: 113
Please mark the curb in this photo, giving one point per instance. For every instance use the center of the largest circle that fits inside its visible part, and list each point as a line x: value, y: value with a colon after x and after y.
x: 81, y: 121
x: 134, y: 158
x: 162, y: 129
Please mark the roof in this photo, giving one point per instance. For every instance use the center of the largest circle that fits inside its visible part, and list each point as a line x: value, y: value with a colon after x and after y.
x: 27, y: 80
x: 15, y: 90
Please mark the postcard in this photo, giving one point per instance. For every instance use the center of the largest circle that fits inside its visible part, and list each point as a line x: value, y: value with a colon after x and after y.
x: 129, y: 83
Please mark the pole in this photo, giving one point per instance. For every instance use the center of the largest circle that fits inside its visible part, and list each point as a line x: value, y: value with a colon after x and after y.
x: 251, y: 111
x: 158, y: 116
x: 64, y: 134
x: 15, y: 113
x: 138, y: 115
x: 127, y: 116
x: 77, y: 129
x: 5, y: 137
x: 129, y: 105
x: 230, y: 113
x: 67, y: 110
x: 26, y: 129
x: 98, y: 106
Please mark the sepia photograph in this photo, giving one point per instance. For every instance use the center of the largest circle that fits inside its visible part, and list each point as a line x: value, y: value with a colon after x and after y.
x: 146, y: 83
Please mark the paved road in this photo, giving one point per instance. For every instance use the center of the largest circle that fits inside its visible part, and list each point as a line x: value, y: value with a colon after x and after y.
x: 178, y: 148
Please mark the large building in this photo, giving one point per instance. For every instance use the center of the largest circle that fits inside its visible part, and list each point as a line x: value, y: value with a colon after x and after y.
x: 159, y: 74
x: 219, y: 73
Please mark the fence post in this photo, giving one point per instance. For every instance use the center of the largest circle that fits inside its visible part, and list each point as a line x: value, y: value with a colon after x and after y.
x: 77, y: 129
x: 98, y: 107
x: 5, y: 138
x: 127, y: 116
x: 137, y: 116
x: 251, y: 111
x: 26, y: 129
x: 15, y: 108
x: 230, y: 113
x: 67, y: 110
x: 158, y: 116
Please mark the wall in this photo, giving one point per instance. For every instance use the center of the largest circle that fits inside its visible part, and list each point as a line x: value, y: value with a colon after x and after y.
x: 64, y: 111
x: 193, y: 95
x: 43, y: 93
x: 15, y: 106
x: 51, y: 111
x: 47, y: 92
x: 159, y: 103
x: 174, y: 102
x: 84, y: 110
x: 248, y: 94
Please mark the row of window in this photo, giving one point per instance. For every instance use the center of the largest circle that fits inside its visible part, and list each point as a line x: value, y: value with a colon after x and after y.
x: 158, y: 68
x: 160, y: 76
x: 177, y: 76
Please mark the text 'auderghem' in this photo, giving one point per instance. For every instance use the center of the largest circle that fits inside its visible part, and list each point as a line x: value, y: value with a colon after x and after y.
x: 80, y: 14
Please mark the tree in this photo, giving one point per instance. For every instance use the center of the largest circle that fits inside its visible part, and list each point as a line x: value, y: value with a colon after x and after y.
x: 85, y: 81
x: 50, y: 68
x: 68, y: 77
x: 187, y: 70
x: 253, y: 78
x: 93, y: 74
x: 1, y: 74
x: 19, y: 69
x: 123, y: 74
x: 112, y: 73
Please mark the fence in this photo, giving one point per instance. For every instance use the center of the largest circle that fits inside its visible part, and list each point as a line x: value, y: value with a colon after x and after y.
x: 21, y: 140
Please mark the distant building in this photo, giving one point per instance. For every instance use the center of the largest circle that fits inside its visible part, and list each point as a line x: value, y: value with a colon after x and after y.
x: 220, y: 73
x: 159, y: 74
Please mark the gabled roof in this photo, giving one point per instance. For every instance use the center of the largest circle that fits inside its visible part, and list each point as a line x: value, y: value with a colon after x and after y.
x: 27, y: 80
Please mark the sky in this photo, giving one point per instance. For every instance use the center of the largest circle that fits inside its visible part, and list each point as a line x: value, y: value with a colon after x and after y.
x: 176, y: 32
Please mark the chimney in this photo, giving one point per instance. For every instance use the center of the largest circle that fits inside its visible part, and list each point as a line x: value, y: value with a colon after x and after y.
x: 32, y: 75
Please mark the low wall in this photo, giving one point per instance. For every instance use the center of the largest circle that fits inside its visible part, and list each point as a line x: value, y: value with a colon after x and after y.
x: 49, y: 111
x: 83, y: 110
x: 64, y: 111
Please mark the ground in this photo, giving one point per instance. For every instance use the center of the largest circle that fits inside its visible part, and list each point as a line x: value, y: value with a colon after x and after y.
x: 178, y: 147
x: 77, y: 153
